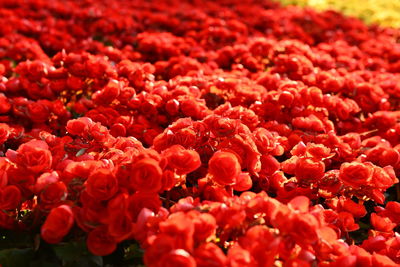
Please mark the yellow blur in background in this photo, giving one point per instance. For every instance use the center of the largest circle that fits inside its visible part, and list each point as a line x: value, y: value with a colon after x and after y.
x: 381, y: 12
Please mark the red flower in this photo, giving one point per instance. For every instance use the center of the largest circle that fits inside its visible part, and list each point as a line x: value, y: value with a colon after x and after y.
x: 238, y: 256
x: 383, y: 178
x: 205, y: 226
x: 53, y: 193
x: 356, y: 174
x: 57, y: 224
x: 181, y: 159
x: 305, y: 228
x: 10, y: 197
x: 145, y: 175
x: 382, y: 260
x: 100, y: 242
x: 140, y: 200
x: 102, y: 184
x: 243, y: 182
x: 79, y: 126
x: 181, y: 228
x: 309, y: 170
x: 358, y: 210
x: 347, y: 223
x: 169, y: 180
x: 34, y: 156
x: 108, y: 94
x: 38, y: 112
x: 5, y: 105
x: 382, y: 224
x: 209, y: 255
x: 177, y: 258
x: 224, y: 168
x: 221, y: 127
x: 269, y: 164
x: 159, y: 245
x: 4, y: 133
x: 120, y: 227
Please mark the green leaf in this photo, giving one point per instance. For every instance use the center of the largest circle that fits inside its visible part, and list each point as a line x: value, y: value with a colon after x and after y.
x: 16, y: 257
x: 96, y: 260
x: 133, y: 252
x: 70, y: 251
x: 80, y: 152
x: 14, y: 239
x: 76, y: 254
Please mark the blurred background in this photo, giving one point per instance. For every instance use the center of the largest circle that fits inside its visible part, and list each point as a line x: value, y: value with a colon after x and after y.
x: 382, y: 12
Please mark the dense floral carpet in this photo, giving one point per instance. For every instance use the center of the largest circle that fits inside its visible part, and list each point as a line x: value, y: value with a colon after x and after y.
x: 197, y: 133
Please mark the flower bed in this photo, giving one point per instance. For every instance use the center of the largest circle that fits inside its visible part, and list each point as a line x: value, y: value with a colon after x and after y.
x: 191, y: 133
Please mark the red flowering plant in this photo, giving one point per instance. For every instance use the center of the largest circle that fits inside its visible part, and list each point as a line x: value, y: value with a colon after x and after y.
x: 166, y: 133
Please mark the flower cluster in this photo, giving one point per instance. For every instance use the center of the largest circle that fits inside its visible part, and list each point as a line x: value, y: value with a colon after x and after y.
x: 271, y: 233
x: 236, y: 133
